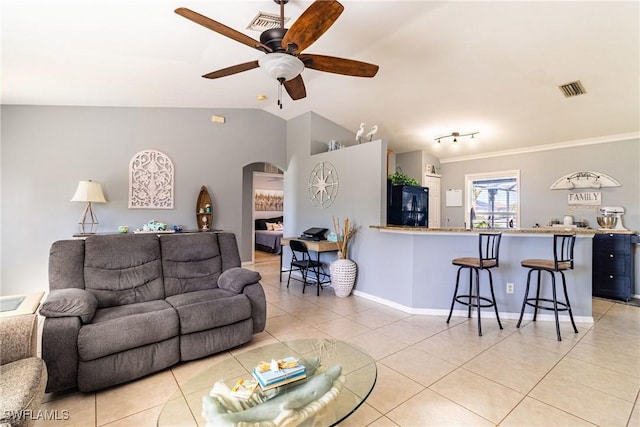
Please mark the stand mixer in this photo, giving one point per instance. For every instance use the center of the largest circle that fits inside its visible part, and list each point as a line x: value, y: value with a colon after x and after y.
x: 614, y: 211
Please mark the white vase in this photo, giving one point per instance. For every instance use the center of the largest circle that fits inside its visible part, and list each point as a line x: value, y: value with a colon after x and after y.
x: 343, y: 276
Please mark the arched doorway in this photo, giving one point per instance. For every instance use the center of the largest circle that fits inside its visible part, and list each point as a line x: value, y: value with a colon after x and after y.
x: 263, y: 212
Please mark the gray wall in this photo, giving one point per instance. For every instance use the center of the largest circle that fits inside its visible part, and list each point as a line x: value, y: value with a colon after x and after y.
x: 375, y: 251
x: 410, y: 164
x: 413, y: 163
x: 47, y: 150
x: 423, y: 278
x: 361, y: 194
x: 410, y: 284
x: 539, y: 170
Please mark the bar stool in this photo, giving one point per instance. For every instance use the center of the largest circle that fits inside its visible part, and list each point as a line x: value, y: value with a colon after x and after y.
x: 562, y: 260
x: 488, y: 254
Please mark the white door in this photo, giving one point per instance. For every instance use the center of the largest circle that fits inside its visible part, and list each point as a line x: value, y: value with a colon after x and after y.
x: 433, y: 183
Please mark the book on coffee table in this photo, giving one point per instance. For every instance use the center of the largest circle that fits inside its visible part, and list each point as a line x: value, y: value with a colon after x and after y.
x: 285, y: 380
x: 280, y: 373
x: 244, y: 388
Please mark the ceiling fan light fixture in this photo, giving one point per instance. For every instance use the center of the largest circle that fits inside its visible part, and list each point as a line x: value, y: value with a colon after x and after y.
x: 281, y: 65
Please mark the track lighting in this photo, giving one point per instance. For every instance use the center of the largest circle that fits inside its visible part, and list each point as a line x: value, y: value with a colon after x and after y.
x: 456, y: 135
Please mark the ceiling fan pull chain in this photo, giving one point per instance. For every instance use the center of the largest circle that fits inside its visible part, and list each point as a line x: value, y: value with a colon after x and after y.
x: 280, y: 81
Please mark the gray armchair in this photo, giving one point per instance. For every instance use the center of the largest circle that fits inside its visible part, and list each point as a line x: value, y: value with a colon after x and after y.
x: 23, y: 375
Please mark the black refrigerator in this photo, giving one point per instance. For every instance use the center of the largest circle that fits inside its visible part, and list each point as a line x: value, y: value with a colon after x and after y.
x: 407, y: 205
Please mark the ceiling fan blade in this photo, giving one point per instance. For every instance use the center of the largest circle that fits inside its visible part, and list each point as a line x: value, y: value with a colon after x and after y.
x: 295, y: 88
x: 332, y: 64
x: 221, y: 29
x: 311, y: 25
x: 232, y: 70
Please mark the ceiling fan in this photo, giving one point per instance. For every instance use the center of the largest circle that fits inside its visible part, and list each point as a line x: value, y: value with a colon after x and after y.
x: 283, y: 47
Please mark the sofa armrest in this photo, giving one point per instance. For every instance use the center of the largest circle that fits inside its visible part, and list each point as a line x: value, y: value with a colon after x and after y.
x: 235, y: 279
x: 70, y: 302
x: 256, y: 296
x: 60, y: 352
x: 18, y: 335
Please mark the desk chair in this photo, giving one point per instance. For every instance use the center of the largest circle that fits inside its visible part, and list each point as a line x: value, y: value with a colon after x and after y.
x: 562, y: 260
x: 302, y: 262
x: 488, y: 258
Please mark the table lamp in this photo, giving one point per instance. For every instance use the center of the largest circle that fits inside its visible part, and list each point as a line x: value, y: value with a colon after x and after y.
x: 89, y: 192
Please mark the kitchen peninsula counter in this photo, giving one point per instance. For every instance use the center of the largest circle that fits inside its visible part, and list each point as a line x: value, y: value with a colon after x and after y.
x: 409, y: 268
x: 578, y: 231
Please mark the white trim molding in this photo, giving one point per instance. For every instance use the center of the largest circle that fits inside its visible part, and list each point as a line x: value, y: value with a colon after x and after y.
x: 546, y: 147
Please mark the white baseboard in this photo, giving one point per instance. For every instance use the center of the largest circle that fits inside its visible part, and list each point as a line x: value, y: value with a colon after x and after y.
x: 463, y: 313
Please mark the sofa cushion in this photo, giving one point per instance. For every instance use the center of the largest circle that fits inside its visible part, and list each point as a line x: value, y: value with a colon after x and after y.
x: 70, y: 302
x: 122, y: 328
x: 18, y: 337
x: 212, y: 341
x: 111, y: 313
x: 190, y: 262
x: 128, y: 365
x: 211, y: 308
x: 123, y: 269
x: 21, y: 390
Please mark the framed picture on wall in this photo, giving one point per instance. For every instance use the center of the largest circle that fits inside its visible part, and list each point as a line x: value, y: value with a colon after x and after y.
x: 269, y: 200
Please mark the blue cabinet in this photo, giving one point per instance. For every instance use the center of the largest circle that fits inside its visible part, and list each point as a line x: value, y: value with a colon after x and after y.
x: 613, y: 266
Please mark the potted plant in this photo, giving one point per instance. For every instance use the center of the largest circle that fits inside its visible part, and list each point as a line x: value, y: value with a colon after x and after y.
x: 400, y: 178
x: 343, y: 270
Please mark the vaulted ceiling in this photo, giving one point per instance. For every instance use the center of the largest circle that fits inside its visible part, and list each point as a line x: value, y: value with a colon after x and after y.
x: 491, y: 67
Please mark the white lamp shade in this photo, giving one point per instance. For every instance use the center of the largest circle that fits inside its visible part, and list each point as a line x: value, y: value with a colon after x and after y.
x: 89, y: 191
x: 281, y: 65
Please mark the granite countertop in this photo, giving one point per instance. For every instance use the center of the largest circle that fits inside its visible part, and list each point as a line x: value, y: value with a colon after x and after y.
x: 541, y: 230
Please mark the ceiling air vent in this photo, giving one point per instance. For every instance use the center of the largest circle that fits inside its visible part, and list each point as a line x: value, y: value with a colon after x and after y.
x: 265, y: 21
x: 572, y: 89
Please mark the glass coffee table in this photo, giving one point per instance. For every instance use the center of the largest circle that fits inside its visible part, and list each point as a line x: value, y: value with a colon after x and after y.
x: 184, y: 408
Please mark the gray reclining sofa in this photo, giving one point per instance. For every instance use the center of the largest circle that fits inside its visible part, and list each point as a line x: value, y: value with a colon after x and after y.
x: 124, y: 306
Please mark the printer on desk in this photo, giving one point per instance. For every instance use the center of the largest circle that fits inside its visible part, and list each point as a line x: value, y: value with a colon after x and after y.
x: 314, y: 233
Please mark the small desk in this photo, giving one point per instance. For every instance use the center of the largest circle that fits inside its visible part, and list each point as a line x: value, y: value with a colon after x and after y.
x: 317, y: 246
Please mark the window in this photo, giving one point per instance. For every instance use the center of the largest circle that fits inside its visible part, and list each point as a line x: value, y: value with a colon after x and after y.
x: 493, y: 199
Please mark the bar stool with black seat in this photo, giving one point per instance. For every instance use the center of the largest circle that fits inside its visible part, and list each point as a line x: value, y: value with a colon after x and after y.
x: 488, y: 258
x: 562, y: 261
x: 301, y: 261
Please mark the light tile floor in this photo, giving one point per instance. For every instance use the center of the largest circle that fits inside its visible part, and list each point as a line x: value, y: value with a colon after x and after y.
x: 429, y: 373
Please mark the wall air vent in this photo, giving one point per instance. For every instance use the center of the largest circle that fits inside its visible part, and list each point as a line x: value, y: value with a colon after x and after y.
x: 265, y: 21
x: 572, y: 89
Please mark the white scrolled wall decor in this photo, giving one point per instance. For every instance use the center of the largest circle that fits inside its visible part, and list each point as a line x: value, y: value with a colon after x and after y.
x: 151, y: 181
